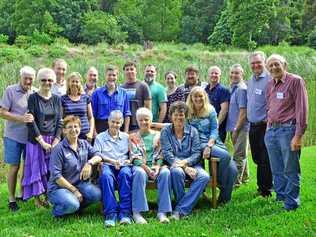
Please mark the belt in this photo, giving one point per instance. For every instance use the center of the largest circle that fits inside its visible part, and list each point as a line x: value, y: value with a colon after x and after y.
x: 258, y: 123
x: 278, y: 124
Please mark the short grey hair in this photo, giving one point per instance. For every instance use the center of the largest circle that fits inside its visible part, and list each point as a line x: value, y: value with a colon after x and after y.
x: 46, y: 72
x: 144, y: 112
x: 214, y: 67
x: 257, y: 53
x: 237, y: 65
x: 278, y: 57
x: 27, y: 70
x: 114, y: 114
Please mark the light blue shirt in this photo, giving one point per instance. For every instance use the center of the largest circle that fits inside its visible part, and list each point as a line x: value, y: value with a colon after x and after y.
x: 187, y: 148
x: 238, y: 100
x: 256, y: 96
x: 116, y: 149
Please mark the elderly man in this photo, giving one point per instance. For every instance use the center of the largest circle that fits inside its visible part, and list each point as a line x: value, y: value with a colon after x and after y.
x: 191, y: 80
x: 14, y: 110
x: 92, y: 79
x: 158, y: 94
x: 287, y: 106
x: 114, y: 146
x: 257, y: 116
x: 219, y: 97
x: 60, y: 69
x: 138, y: 92
x: 237, y: 122
x: 108, y: 98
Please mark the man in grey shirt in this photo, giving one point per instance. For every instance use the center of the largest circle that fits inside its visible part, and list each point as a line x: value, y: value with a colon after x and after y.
x: 14, y: 111
x: 257, y: 116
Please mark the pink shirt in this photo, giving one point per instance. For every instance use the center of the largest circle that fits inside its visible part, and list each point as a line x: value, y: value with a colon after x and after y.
x: 287, y: 101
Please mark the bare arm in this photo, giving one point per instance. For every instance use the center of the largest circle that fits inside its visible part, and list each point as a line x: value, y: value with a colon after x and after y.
x: 127, y: 120
x: 241, y: 119
x: 91, y: 122
x: 147, y: 104
x: 26, y: 118
x: 162, y: 111
x: 223, y: 112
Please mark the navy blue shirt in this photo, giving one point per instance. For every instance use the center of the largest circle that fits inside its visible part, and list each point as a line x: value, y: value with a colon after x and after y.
x: 78, y: 108
x: 217, y: 95
x: 67, y: 163
x: 103, y: 103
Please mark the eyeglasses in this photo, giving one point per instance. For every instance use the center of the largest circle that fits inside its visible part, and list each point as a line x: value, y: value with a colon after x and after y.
x: 47, y: 80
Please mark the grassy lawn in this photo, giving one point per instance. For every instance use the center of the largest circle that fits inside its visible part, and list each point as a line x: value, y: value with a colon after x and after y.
x: 246, y: 215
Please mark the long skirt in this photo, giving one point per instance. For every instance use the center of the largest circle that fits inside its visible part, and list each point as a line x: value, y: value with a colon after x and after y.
x: 36, y: 169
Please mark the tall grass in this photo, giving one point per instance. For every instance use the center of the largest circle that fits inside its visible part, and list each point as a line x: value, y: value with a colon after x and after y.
x: 166, y: 56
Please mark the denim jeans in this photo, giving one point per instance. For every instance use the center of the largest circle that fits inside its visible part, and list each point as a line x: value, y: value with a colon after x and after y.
x: 121, y: 178
x: 139, y: 200
x: 65, y: 202
x: 185, y: 201
x: 285, y: 165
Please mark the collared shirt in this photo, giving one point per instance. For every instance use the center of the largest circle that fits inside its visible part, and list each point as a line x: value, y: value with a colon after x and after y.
x: 217, y: 95
x: 15, y: 101
x: 188, y: 148
x: 207, y: 127
x: 59, y: 90
x: 287, y: 102
x: 256, y: 97
x: 187, y: 88
x: 238, y: 100
x: 67, y: 163
x: 88, y: 91
x: 109, y: 147
x: 158, y: 96
x: 103, y: 103
x: 137, y: 93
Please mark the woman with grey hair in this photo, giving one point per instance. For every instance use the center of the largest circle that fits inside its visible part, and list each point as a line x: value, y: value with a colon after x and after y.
x: 43, y: 134
x: 146, y: 156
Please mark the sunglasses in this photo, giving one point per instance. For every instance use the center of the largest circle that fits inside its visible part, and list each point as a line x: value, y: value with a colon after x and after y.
x: 47, y: 80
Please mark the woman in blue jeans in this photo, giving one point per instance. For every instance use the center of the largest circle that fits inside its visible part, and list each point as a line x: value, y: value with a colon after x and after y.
x: 202, y: 116
x: 70, y: 167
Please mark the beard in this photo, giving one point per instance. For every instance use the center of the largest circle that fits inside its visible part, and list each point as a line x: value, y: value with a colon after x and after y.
x: 149, y: 79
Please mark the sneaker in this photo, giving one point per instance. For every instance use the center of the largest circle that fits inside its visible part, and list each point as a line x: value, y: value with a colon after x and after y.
x: 138, y: 218
x: 175, y: 216
x: 125, y: 220
x: 13, y: 206
x: 110, y: 220
x: 162, y: 218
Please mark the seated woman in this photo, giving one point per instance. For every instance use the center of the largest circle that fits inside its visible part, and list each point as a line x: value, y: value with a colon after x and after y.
x: 143, y: 146
x: 77, y: 103
x: 202, y: 116
x: 116, y: 172
x: 180, y: 144
x: 70, y: 167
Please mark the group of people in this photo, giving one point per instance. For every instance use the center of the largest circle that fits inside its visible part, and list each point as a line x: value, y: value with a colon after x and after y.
x: 141, y: 130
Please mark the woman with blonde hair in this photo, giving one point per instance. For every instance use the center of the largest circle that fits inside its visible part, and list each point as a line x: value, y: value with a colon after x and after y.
x: 202, y: 116
x: 77, y: 103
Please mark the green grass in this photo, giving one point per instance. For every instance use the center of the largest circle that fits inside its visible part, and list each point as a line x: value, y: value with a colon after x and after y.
x: 244, y: 216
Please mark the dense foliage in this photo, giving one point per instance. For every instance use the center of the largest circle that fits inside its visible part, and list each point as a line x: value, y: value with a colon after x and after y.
x: 241, y: 23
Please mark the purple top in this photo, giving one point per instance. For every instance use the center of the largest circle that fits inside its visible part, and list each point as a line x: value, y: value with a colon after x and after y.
x: 177, y: 95
x: 287, y: 102
x: 15, y: 101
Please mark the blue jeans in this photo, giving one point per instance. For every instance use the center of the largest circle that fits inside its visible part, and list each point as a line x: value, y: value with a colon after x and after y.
x: 227, y: 172
x: 65, y: 202
x: 285, y: 165
x: 185, y: 201
x: 122, y: 179
x: 139, y: 199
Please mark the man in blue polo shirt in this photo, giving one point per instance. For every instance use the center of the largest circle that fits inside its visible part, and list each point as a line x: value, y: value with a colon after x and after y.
x: 108, y: 98
x: 219, y: 98
x: 257, y: 116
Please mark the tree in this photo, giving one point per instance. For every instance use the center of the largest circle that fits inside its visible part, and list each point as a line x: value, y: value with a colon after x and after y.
x: 199, y: 19
x: 99, y: 26
x: 161, y: 19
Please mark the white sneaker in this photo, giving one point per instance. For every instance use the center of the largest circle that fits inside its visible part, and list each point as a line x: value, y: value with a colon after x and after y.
x: 162, y: 218
x: 138, y: 218
x: 175, y: 215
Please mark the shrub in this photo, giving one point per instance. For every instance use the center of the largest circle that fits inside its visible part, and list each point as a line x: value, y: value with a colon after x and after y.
x: 4, y: 39
x: 35, y: 50
x: 40, y: 38
x: 312, y: 39
x: 22, y: 41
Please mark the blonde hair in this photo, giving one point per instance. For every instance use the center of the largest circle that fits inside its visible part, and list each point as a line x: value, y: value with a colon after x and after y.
x: 71, y: 119
x: 74, y: 75
x: 207, y: 107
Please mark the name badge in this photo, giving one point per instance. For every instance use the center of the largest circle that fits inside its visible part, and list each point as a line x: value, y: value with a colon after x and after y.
x: 280, y: 95
x: 258, y: 91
